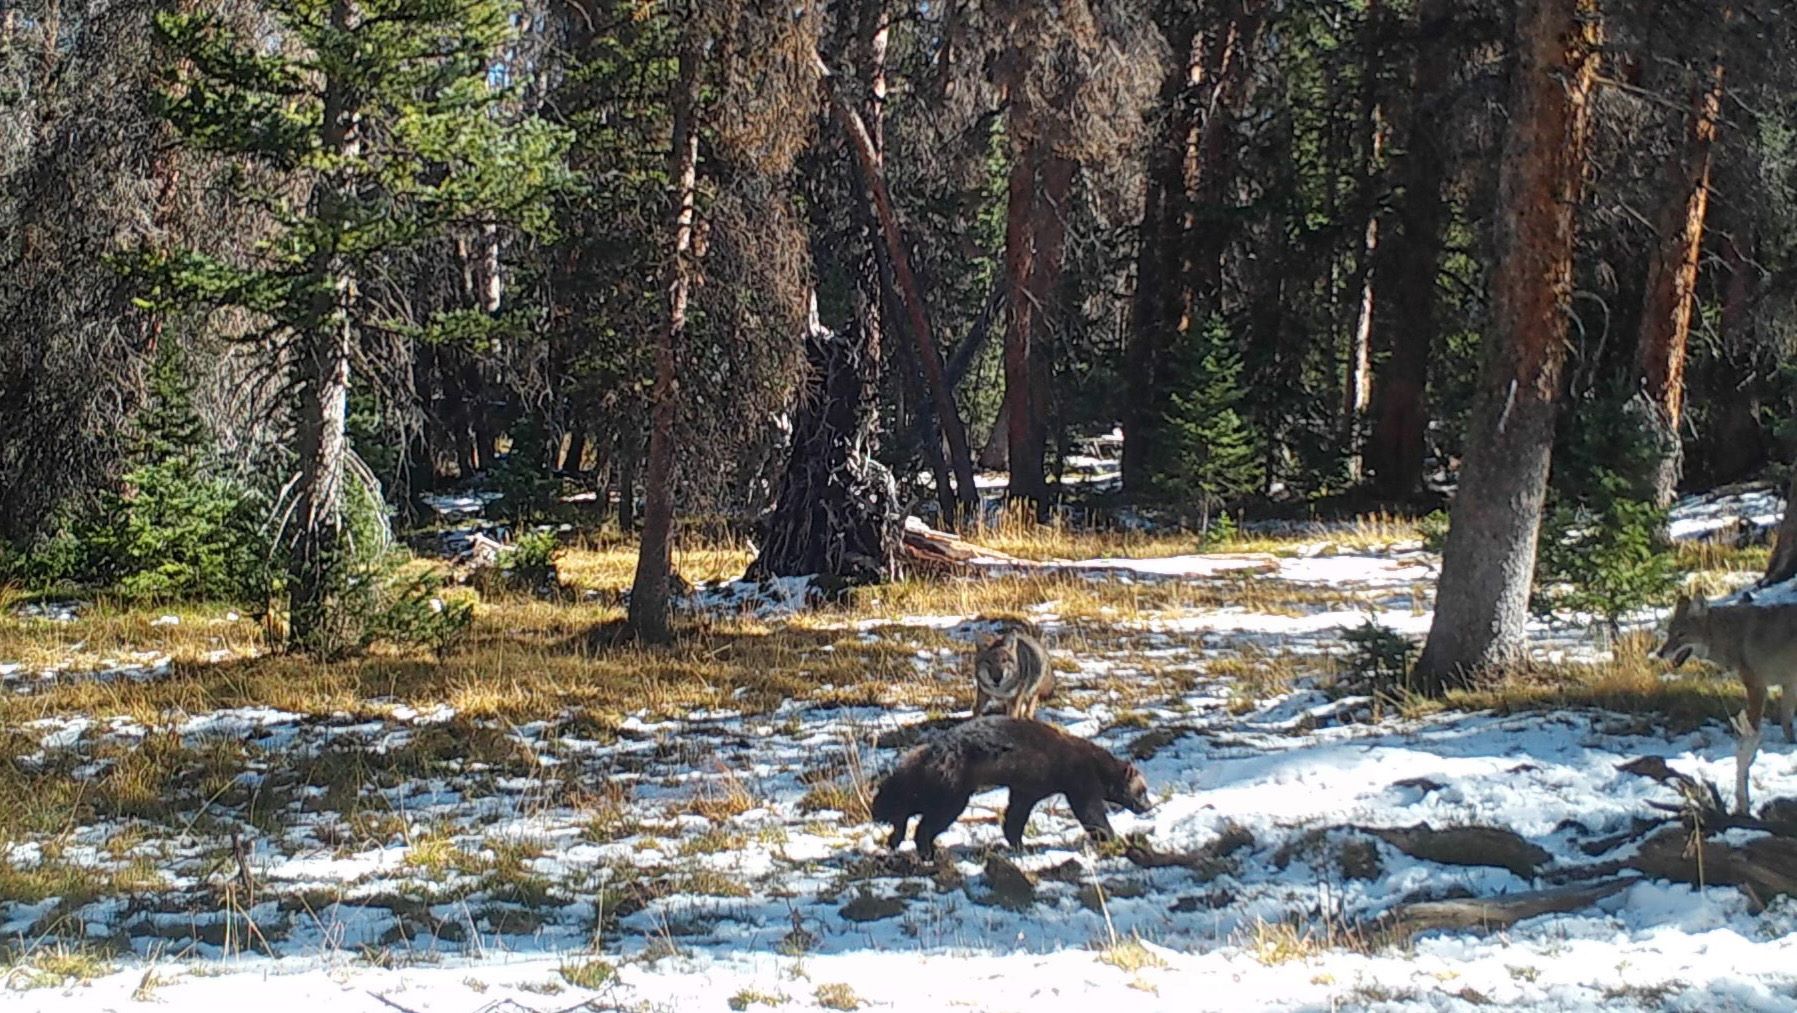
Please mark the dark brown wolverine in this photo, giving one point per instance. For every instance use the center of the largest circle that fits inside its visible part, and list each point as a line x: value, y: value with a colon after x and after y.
x: 1034, y: 760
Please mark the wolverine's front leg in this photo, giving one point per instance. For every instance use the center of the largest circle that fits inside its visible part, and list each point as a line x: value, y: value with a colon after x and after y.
x: 1017, y: 816
x: 1089, y: 810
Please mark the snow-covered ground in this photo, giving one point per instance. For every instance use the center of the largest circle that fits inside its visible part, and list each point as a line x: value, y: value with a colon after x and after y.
x: 704, y: 861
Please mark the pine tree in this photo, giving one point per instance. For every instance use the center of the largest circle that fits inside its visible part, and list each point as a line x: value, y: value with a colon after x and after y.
x: 373, y: 127
x: 1211, y: 453
x: 178, y: 527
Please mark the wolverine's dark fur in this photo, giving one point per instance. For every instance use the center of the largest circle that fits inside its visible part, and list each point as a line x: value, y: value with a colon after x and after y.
x: 1034, y: 760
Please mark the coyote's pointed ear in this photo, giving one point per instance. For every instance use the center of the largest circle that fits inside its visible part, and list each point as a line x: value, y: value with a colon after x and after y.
x: 1681, y: 604
x: 1698, y: 607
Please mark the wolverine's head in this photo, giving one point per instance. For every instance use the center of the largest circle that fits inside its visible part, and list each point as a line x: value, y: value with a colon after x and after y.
x: 1130, y: 790
x: 1687, y: 635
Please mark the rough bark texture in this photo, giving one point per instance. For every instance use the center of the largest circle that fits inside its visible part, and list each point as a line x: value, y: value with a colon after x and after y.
x: 649, y: 590
x: 1407, y: 264
x: 1488, y: 562
x: 1672, y: 283
x: 1783, y: 564
x: 321, y: 362
x: 1035, y: 246
x: 836, y: 510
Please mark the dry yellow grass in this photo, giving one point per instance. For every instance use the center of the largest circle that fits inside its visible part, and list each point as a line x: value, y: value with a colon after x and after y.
x: 1630, y: 681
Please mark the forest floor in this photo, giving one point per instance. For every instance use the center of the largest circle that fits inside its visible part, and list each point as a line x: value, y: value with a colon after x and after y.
x: 532, y: 822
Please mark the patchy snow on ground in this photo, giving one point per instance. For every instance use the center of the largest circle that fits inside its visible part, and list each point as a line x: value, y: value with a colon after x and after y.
x: 703, y: 861
x: 1751, y: 511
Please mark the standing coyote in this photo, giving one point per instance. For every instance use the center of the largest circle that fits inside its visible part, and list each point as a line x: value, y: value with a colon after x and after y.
x: 1011, y: 669
x: 1759, y: 643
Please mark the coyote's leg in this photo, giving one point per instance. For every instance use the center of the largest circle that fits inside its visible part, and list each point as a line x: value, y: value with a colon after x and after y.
x: 1747, y: 742
x: 1787, y: 701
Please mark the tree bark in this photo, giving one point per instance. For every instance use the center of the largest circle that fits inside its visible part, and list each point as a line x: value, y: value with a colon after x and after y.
x: 1783, y: 564
x: 1672, y: 283
x: 317, y: 557
x: 1407, y: 265
x: 1035, y: 242
x: 1488, y: 562
x: 929, y: 358
x: 649, y: 591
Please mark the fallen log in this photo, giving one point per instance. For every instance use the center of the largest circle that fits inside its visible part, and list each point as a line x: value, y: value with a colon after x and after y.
x: 1465, y: 846
x: 1485, y: 914
x: 1763, y: 867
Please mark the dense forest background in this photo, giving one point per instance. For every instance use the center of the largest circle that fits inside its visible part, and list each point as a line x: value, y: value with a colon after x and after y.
x: 271, y: 271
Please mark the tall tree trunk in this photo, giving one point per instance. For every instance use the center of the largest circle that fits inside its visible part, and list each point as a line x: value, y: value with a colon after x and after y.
x: 1488, y: 562
x: 649, y: 591
x: 1672, y: 284
x: 1407, y: 265
x: 1024, y: 434
x: 317, y: 556
x: 929, y: 358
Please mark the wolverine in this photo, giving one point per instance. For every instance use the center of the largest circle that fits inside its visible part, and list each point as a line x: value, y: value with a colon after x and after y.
x: 1034, y: 760
x: 1012, y: 670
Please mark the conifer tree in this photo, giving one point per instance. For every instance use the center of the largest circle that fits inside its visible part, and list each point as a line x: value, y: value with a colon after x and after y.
x: 1211, y: 453
x: 366, y: 127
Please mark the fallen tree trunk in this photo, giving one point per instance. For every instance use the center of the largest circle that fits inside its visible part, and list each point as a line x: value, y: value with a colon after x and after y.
x: 1465, y: 846
x: 1763, y: 867
x: 1485, y: 914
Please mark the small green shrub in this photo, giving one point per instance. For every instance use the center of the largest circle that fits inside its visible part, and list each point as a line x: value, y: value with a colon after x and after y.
x: 411, y: 611
x: 177, y: 524
x: 1434, y: 529
x: 1607, y: 562
x: 530, y: 563
x: 1212, y: 457
x: 1379, y: 657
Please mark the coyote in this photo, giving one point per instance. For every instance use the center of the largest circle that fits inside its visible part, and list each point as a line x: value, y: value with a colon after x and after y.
x: 1759, y: 643
x: 1034, y: 760
x: 1011, y: 669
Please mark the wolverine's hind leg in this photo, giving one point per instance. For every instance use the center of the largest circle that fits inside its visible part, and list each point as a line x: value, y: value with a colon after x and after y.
x: 1017, y: 816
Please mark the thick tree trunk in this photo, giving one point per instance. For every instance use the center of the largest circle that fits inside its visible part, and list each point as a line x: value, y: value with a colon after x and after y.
x: 1783, y: 564
x: 1488, y: 562
x: 1672, y: 284
x: 649, y: 591
x: 929, y: 358
x: 1406, y: 265
x: 1023, y: 434
x: 318, y: 550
